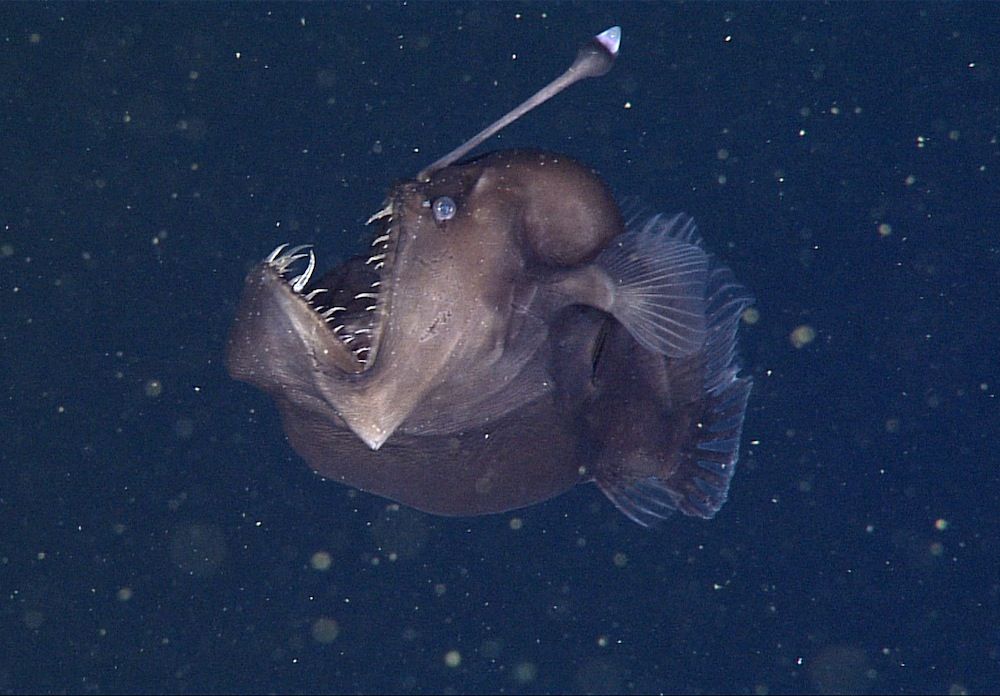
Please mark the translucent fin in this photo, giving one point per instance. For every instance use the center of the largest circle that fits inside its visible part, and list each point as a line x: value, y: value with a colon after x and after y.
x: 659, y: 275
x: 698, y: 486
x: 727, y: 300
x: 707, y: 464
x: 687, y: 460
x: 644, y: 501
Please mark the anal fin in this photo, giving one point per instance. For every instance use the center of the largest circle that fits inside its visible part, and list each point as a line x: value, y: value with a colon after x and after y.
x: 697, y: 475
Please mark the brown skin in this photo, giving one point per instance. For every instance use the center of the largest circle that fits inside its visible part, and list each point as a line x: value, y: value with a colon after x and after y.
x: 460, y: 377
x: 496, y: 378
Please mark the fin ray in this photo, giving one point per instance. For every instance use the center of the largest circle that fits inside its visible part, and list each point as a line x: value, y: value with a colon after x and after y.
x: 675, y: 299
x: 696, y: 478
x: 659, y: 278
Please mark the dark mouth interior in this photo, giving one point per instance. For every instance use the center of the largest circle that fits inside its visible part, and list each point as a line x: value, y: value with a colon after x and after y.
x: 348, y: 297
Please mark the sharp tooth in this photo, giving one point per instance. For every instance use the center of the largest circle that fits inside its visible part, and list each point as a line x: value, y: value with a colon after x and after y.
x: 299, y: 284
x: 379, y: 240
x: 312, y: 295
x: 385, y: 212
x: 373, y: 259
x: 366, y: 295
x: 371, y: 308
x: 287, y: 258
x: 275, y: 254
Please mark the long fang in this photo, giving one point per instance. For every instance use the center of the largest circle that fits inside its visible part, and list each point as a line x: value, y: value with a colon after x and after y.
x: 299, y: 284
x: 385, y: 212
x: 275, y: 254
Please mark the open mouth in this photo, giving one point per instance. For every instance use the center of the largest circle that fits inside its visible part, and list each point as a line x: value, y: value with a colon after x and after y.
x: 350, y: 299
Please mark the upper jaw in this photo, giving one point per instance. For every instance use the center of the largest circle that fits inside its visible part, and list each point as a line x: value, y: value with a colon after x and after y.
x: 351, y: 301
x: 341, y: 319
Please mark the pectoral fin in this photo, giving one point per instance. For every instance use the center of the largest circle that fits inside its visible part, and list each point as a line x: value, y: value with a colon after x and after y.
x: 658, y: 276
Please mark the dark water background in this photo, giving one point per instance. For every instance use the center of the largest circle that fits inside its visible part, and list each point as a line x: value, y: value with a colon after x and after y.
x: 158, y: 534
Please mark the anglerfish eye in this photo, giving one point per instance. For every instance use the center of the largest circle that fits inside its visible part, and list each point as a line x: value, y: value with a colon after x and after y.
x: 444, y: 208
